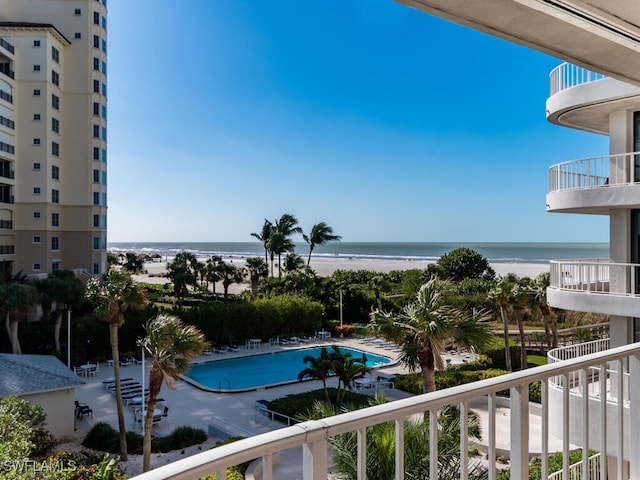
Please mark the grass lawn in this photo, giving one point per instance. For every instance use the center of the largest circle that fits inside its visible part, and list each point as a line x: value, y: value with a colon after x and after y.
x: 536, y: 360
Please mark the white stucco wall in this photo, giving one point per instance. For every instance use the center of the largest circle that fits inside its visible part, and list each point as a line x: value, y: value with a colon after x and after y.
x: 59, y: 407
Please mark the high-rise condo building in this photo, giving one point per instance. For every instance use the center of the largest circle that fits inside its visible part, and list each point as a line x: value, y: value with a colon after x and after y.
x: 53, y: 135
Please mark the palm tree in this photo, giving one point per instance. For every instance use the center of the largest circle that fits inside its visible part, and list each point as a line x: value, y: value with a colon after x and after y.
x: 229, y: 274
x: 321, y: 233
x: 212, y: 271
x: 133, y: 264
x: 500, y: 296
x: 112, y: 296
x: 183, y: 273
x: 520, y: 300
x: 172, y: 345
x: 16, y: 296
x: 539, y: 291
x: 279, y: 244
x: 293, y: 263
x: 263, y: 236
x: 258, y: 269
x: 63, y: 289
x: 347, y: 369
x: 320, y: 368
x: 379, y: 284
x: 423, y: 326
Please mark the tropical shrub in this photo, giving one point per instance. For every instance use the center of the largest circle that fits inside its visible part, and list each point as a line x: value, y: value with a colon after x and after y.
x: 299, y: 406
x: 464, y: 262
x: 345, y: 330
x: 33, y: 417
x: 181, y: 437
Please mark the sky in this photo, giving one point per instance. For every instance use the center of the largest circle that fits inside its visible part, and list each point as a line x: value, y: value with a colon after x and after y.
x: 386, y: 123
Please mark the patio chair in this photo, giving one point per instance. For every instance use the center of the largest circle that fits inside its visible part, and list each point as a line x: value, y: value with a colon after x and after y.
x: 125, y: 363
x: 82, y: 409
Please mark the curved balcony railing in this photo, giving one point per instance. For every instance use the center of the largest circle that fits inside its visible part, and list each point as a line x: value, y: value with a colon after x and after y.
x: 595, y: 172
x: 596, y: 275
x: 567, y: 75
x: 313, y: 436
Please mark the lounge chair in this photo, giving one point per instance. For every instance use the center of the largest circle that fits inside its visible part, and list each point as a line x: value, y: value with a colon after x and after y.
x: 233, y: 348
x: 305, y: 339
x: 207, y: 352
x: 219, y: 350
x: 125, y: 363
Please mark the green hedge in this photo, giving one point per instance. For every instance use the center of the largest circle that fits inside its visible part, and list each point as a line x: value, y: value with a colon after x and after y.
x: 298, y: 406
x: 495, y: 354
x: 233, y: 322
x: 105, y: 438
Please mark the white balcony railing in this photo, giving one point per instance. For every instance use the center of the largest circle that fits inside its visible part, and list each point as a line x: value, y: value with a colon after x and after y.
x: 576, y: 471
x: 313, y: 436
x: 595, y: 172
x: 596, y: 275
x: 567, y: 75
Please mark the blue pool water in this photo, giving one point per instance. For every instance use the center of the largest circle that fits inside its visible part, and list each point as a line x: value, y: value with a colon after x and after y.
x: 255, y: 371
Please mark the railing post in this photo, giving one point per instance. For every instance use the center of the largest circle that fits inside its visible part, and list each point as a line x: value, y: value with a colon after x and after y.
x: 519, y: 432
x: 399, y: 449
x: 267, y: 467
x: 314, y: 460
x: 634, y: 415
x: 362, y: 453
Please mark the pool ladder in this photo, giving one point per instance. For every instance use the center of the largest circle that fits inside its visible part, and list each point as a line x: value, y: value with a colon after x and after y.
x: 224, y: 380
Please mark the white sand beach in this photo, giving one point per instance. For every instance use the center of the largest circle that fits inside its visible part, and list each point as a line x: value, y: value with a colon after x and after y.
x: 325, y: 266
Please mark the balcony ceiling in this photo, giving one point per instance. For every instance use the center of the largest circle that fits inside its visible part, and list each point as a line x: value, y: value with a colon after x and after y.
x: 601, y: 35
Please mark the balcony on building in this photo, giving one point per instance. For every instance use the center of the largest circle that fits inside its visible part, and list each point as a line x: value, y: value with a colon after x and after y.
x: 595, y: 185
x: 570, y: 415
x: 6, y: 193
x: 7, y: 250
x: 6, y: 172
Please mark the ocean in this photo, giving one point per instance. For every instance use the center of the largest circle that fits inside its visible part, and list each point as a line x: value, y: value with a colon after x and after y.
x: 494, y: 252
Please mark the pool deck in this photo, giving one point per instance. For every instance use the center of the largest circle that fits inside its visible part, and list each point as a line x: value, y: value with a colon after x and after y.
x: 237, y: 413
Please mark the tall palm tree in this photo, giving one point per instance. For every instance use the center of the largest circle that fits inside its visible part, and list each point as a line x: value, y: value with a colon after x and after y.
x: 171, y: 345
x: 293, y: 263
x: 521, y: 298
x: 229, y: 274
x: 379, y: 284
x: 500, y: 296
x: 112, y: 296
x: 279, y: 244
x: 183, y: 272
x: 258, y: 270
x: 263, y: 236
x: 423, y: 326
x: 212, y: 271
x: 320, y: 234
x: 539, y: 291
x: 320, y: 368
x: 347, y: 369
x: 65, y: 290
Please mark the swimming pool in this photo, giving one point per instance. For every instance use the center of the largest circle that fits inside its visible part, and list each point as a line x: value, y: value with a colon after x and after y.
x: 265, y: 370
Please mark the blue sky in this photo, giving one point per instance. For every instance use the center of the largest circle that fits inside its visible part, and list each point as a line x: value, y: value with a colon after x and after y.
x: 384, y: 122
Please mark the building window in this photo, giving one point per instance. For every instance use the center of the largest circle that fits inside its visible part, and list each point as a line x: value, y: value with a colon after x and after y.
x: 55, y: 78
x: 104, y: 221
x: 55, y: 125
x: 104, y: 199
x: 36, y: 239
x: 36, y: 267
x: 77, y: 35
x: 55, y: 101
x: 55, y: 149
x: 55, y: 219
x: 96, y: 176
x: 96, y: 198
x: 36, y: 166
x: 104, y: 90
x: 55, y: 54
x: 96, y: 221
x: 104, y: 112
x: 104, y: 133
x: 96, y: 243
x: 104, y: 178
x: 96, y: 269
x: 104, y: 67
x: 96, y: 41
x: 96, y: 86
x: 77, y: 11
x: 96, y: 109
x: 36, y: 141
x: 55, y: 172
x: 36, y: 215
x: 96, y: 18
x: 36, y: 190
x: 55, y: 243
x: 55, y: 266
x: 104, y: 23
x: 36, y: 92
x: 96, y: 153
x: 36, y: 117
x: 96, y: 63
x: 36, y: 68
x: 104, y: 154
x: 36, y: 43
x: 96, y: 131
x: 55, y: 196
